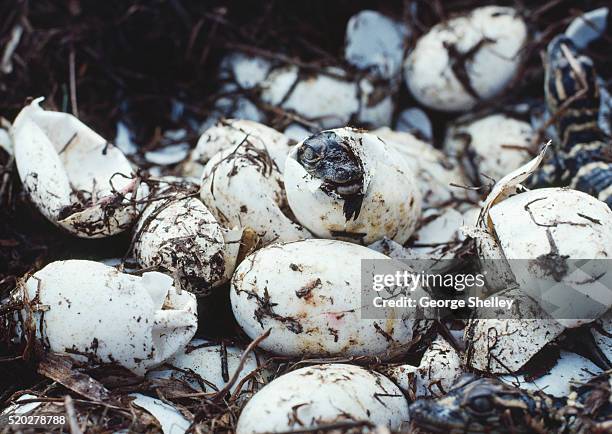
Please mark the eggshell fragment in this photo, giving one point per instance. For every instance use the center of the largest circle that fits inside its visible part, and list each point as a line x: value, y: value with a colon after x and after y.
x: 505, y: 345
x: 93, y: 312
x: 320, y: 395
x: 588, y: 27
x: 440, y: 366
x: 200, y: 364
x: 75, y: 178
x: 242, y: 187
x: 169, y: 418
x: 569, y: 370
x: 230, y: 133
x: 489, y: 38
x: 491, y: 146
x: 295, y: 290
x: 434, y: 171
x: 391, y: 202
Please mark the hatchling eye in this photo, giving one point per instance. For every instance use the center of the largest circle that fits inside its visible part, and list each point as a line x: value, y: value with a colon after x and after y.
x: 309, y: 155
x: 481, y: 404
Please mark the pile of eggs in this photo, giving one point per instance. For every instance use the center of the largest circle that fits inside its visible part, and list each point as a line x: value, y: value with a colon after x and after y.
x: 280, y: 221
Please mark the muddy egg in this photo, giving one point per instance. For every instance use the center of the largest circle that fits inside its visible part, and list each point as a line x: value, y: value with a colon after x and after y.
x: 542, y: 234
x: 466, y: 59
x: 93, y: 312
x: 350, y: 185
x: 200, y: 364
x: 296, y: 290
x: 243, y: 188
x: 491, y: 146
x: 178, y: 234
x: 321, y: 395
x: 76, y: 179
x: 229, y: 134
x: 434, y: 171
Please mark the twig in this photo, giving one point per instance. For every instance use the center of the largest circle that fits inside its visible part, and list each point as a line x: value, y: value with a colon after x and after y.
x: 72, y: 421
x: 73, y: 95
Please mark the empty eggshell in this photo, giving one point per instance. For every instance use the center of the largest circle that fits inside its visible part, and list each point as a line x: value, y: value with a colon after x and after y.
x: 296, y: 290
x: 170, y: 419
x: 493, y: 146
x: 588, y: 27
x: 230, y: 133
x: 440, y: 366
x: 93, y: 312
x: 243, y: 188
x: 380, y: 198
x: 321, y: 395
x: 505, y: 345
x: 415, y: 121
x: 466, y: 59
x: 200, y: 364
x: 375, y: 43
x: 177, y: 233
x: 246, y: 71
x: 569, y: 370
x: 76, y: 179
x: 434, y: 171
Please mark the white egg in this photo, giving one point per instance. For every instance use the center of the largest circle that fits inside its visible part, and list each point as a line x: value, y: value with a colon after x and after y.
x: 375, y: 43
x: 200, y: 364
x: 415, y: 121
x: 178, y: 234
x: 246, y: 71
x: 321, y: 395
x: 570, y: 369
x: 90, y: 311
x: 440, y: 366
x: 230, y: 133
x: 504, y: 345
x: 467, y: 58
x: 308, y: 294
x: 76, y: 179
x: 328, y: 99
x: 381, y: 200
x: 243, y: 188
x: 436, y: 174
x: 489, y: 147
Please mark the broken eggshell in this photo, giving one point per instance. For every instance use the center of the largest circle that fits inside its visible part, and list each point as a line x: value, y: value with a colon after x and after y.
x: 570, y: 369
x: 491, y: 146
x: 93, y: 312
x: 440, y: 366
x: 295, y: 290
x: 76, y: 179
x: 505, y: 345
x: 321, y: 395
x: 349, y: 185
x: 170, y: 419
x: 200, y: 364
x: 466, y: 59
x: 177, y: 233
x: 243, y: 188
x: 230, y: 133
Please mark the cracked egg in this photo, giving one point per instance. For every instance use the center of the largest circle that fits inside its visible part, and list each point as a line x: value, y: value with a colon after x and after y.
x: 466, y: 59
x: 347, y: 184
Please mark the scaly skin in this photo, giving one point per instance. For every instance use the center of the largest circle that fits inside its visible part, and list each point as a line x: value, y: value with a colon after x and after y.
x: 582, y: 159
